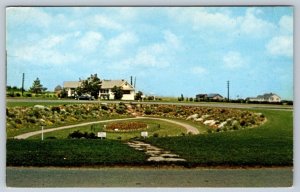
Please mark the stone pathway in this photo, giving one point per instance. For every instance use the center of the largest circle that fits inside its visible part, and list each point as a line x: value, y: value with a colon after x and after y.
x: 156, y: 154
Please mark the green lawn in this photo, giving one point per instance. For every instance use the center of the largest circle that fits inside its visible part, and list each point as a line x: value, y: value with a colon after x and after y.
x: 268, y: 145
x: 71, y: 152
x: 161, y: 128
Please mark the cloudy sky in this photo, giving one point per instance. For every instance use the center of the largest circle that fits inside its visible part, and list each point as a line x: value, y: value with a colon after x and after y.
x: 170, y: 50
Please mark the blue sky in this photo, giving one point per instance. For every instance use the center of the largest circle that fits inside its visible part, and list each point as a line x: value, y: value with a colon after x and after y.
x: 170, y: 50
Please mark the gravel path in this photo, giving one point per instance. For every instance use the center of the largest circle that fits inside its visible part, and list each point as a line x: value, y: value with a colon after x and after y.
x: 189, y: 128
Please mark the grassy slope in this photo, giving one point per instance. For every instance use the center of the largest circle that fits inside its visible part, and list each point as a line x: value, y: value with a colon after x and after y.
x: 268, y: 145
x: 71, y: 153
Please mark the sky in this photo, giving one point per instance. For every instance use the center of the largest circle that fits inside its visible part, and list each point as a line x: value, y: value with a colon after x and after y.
x: 169, y: 50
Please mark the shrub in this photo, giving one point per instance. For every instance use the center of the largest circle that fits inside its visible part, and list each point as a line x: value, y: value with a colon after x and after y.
x: 18, y: 121
x: 120, y: 110
x: 18, y: 94
x: 55, y: 108
x: 148, y: 111
x: 28, y: 95
x: 155, y: 135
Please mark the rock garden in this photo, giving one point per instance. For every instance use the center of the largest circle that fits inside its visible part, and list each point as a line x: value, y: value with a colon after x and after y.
x: 215, y: 119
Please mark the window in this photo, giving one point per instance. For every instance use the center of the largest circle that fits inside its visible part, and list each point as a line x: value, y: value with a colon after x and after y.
x: 126, y: 91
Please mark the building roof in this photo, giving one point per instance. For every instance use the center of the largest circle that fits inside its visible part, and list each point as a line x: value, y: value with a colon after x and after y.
x: 266, y: 96
x: 109, y: 84
x: 106, y: 84
x: 211, y: 95
x: 71, y: 84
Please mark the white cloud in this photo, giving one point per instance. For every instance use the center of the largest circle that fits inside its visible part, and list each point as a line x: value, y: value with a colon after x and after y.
x: 281, y: 46
x: 119, y: 43
x: 201, y: 18
x: 233, y: 60
x: 28, y: 15
x: 286, y: 24
x: 45, y: 51
x: 198, y: 70
x: 156, y: 55
x: 105, y: 22
x: 252, y: 25
x: 90, y: 41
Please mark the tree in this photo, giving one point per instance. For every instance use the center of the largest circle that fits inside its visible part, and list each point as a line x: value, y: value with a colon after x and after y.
x: 90, y: 86
x: 138, y: 95
x: 58, y: 88
x: 37, y: 87
x: 118, y: 92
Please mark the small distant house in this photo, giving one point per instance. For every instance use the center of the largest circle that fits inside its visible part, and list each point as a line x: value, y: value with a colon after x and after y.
x: 215, y: 96
x: 201, y: 97
x: 105, y: 90
x: 267, y: 97
x: 211, y: 96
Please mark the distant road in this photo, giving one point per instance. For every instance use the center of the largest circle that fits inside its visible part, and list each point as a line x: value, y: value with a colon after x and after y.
x: 203, y: 104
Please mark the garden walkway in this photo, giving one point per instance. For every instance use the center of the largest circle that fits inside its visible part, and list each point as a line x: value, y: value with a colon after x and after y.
x: 189, y: 128
x: 156, y: 154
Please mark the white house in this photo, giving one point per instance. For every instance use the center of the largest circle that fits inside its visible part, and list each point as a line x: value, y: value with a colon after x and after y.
x: 105, y: 90
x: 107, y: 85
x: 267, y: 97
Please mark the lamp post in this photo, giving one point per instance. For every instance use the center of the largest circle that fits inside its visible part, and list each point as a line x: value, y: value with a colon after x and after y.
x: 42, y: 133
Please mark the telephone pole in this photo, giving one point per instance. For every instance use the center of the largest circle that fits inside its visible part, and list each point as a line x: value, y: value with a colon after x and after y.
x: 228, y: 85
x: 23, y: 78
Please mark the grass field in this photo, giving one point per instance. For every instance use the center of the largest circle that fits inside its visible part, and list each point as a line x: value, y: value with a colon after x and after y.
x: 160, y: 128
x: 268, y: 145
x: 70, y: 152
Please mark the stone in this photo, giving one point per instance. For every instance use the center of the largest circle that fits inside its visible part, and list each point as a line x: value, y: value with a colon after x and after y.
x: 39, y: 107
x: 205, y: 116
x: 222, y: 124
x: 199, y: 119
x: 209, y: 122
x: 192, y: 117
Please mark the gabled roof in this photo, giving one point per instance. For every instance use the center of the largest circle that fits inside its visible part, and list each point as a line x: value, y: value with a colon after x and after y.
x: 109, y: 84
x: 266, y: 95
x: 106, y: 84
x: 71, y: 84
x: 211, y: 95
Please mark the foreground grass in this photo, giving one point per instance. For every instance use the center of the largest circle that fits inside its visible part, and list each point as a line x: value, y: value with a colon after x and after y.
x: 69, y: 152
x: 268, y: 145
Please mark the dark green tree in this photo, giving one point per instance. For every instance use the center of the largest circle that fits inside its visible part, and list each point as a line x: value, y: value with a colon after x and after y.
x: 138, y: 95
x: 90, y: 86
x: 37, y: 87
x: 118, y: 92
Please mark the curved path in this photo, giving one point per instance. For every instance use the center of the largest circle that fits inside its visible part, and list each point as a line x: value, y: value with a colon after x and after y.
x: 189, y: 128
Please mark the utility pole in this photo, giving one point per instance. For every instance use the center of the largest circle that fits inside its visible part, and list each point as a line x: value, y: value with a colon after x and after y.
x: 23, y: 78
x: 228, y: 85
x: 134, y: 82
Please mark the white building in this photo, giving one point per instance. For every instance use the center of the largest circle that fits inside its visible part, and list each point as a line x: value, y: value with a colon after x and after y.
x: 267, y: 97
x: 105, y: 90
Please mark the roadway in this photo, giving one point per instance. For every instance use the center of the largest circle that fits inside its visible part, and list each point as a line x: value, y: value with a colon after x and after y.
x: 148, y: 177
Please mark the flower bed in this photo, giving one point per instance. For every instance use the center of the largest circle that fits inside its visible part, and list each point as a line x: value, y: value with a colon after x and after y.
x: 125, y: 126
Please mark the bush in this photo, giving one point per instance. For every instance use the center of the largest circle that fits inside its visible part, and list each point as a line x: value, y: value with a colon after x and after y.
x: 55, y: 108
x: 18, y: 95
x: 120, y: 110
x: 155, y: 135
x: 28, y: 95
x: 148, y: 111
